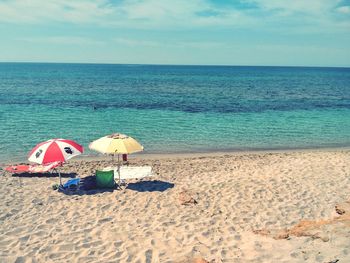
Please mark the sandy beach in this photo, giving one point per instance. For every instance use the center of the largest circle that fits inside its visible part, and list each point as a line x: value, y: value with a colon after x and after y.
x: 237, y: 207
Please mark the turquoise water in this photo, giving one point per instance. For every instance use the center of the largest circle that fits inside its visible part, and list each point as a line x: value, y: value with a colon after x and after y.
x: 174, y: 108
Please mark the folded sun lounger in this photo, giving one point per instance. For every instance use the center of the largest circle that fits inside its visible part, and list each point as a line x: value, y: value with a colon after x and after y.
x: 130, y: 172
x: 36, y: 168
x: 133, y: 172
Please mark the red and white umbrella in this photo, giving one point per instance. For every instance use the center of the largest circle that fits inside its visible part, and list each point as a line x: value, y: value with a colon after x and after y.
x: 55, y: 150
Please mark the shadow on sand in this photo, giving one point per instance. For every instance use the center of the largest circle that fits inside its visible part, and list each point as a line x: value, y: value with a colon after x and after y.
x: 87, y: 186
x: 87, y: 192
x: 47, y: 175
x: 150, y: 186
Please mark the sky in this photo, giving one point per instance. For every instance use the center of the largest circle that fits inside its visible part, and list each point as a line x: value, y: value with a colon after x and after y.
x: 187, y: 32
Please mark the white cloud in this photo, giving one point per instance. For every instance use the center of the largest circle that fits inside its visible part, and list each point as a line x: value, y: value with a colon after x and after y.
x: 303, y: 16
x: 311, y: 7
x: 65, y: 40
x: 169, y: 14
x: 136, y: 42
x: 36, y: 11
x: 201, y: 44
x: 173, y: 44
x: 344, y: 9
x: 174, y: 14
x: 127, y: 13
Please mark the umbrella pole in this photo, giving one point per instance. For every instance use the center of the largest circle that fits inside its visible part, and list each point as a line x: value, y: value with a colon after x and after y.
x: 119, y: 168
x: 59, y: 174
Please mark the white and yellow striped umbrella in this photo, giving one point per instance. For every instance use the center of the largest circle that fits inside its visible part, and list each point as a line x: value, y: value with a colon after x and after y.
x: 116, y: 144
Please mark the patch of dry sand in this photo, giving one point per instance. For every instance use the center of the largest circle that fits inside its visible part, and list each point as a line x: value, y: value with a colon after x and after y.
x: 146, y: 222
x: 321, y: 229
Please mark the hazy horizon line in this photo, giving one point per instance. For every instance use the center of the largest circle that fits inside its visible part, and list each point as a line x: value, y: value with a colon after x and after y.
x: 169, y: 64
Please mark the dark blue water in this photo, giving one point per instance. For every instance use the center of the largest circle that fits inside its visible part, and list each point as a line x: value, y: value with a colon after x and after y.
x: 174, y: 108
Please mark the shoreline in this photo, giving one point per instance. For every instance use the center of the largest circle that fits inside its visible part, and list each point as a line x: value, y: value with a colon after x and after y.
x: 170, y: 155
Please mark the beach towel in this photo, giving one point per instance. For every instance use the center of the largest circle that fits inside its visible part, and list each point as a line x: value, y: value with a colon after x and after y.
x: 35, y: 168
x: 72, y: 184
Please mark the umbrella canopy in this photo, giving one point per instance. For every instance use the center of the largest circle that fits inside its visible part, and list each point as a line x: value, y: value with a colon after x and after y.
x: 54, y: 150
x: 116, y: 144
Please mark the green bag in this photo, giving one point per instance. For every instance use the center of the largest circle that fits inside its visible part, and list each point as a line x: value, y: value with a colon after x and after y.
x: 105, y: 179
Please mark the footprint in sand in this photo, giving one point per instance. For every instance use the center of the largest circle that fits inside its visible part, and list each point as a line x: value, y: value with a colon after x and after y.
x: 106, y: 207
x: 105, y: 220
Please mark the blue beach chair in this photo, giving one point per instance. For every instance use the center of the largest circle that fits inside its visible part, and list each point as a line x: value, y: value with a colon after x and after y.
x: 71, y: 184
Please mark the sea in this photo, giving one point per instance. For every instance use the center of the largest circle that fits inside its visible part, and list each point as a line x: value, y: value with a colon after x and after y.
x: 174, y: 109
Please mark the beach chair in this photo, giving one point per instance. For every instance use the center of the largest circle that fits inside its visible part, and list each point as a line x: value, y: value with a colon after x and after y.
x: 35, y: 168
x: 105, y: 179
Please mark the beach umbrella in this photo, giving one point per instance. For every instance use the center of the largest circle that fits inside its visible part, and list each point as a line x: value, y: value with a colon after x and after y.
x: 55, y: 150
x: 116, y: 144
